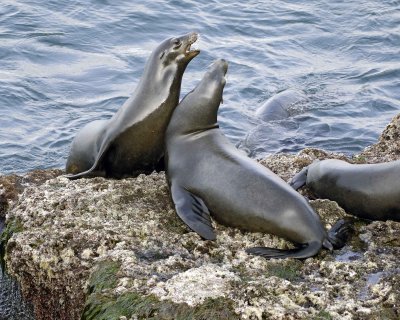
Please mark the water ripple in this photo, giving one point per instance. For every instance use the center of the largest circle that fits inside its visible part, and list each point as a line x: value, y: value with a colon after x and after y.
x: 66, y: 63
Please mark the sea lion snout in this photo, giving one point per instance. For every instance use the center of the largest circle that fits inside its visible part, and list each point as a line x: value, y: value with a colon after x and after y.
x: 187, y: 41
x: 218, y: 70
x: 224, y: 64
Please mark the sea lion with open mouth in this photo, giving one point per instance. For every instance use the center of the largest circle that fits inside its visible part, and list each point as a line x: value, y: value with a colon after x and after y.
x: 132, y: 141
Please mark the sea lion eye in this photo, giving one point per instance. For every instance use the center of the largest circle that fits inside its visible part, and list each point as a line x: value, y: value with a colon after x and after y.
x: 162, y: 55
x: 176, y: 42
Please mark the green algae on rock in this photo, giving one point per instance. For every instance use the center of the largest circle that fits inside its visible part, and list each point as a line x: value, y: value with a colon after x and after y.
x: 115, y: 231
x: 136, y: 306
x: 12, y: 227
x: 12, y: 304
x: 115, y: 249
x: 102, y: 304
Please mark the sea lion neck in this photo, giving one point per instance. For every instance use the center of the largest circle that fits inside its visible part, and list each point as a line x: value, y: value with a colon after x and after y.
x: 197, y: 112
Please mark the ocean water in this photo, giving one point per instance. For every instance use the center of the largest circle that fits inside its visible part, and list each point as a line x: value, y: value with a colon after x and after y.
x: 66, y: 63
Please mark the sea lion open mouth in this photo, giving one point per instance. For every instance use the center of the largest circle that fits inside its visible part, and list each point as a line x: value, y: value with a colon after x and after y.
x: 191, y: 53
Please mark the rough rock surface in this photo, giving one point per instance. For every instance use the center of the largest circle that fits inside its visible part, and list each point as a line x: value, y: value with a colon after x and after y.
x: 12, y: 305
x: 388, y: 146
x: 12, y: 185
x: 119, y: 246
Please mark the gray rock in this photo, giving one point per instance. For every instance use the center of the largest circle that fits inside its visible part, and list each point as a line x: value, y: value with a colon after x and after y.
x: 115, y: 249
x: 12, y: 304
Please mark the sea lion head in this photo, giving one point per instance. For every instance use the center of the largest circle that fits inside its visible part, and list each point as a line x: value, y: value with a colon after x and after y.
x: 198, y: 109
x: 178, y: 49
x: 164, y: 69
x: 174, y: 52
x: 212, y: 85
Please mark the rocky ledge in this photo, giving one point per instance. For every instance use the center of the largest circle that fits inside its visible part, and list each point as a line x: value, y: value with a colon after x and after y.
x: 115, y: 249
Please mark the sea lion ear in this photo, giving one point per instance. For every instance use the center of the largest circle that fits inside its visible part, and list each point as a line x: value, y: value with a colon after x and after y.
x: 162, y: 55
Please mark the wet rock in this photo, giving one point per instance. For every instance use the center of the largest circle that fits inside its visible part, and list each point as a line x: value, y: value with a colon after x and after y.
x: 12, y: 304
x: 329, y: 211
x: 287, y: 165
x: 388, y: 146
x: 115, y: 249
x: 10, y: 187
x: 13, y: 185
x: 156, y: 266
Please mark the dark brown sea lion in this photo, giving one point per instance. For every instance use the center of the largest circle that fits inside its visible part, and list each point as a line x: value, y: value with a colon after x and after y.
x: 132, y: 141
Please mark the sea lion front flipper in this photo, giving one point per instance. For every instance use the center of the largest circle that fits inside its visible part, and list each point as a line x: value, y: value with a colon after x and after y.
x: 308, y: 250
x: 193, y: 211
x: 299, y: 179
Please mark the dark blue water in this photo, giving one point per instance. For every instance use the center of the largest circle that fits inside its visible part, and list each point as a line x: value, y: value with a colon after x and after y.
x: 66, y: 63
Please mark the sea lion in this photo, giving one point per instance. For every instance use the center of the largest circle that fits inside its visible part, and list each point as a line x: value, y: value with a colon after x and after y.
x: 206, y: 173
x: 132, y: 141
x: 273, y: 118
x: 277, y: 106
x: 369, y: 191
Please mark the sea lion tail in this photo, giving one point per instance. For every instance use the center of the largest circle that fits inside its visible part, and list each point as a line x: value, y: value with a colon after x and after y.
x: 299, y: 179
x: 340, y: 232
x: 308, y: 250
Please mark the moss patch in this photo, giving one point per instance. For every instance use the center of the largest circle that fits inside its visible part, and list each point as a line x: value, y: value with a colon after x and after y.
x: 12, y: 227
x: 323, y: 315
x: 104, y: 277
x: 102, y: 304
x: 290, y: 271
x: 102, y: 307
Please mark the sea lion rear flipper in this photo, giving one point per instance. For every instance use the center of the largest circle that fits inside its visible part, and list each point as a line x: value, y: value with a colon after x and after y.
x: 193, y: 211
x: 299, y: 179
x: 92, y: 172
x: 340, y: 233
x: 303, y: 252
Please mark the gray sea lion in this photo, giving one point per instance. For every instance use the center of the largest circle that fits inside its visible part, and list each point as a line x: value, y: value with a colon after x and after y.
x: 206, y: 173
x: 277, y: 106
x: 370, y: 191
x: 132, y: 141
